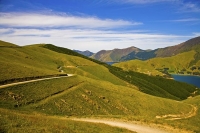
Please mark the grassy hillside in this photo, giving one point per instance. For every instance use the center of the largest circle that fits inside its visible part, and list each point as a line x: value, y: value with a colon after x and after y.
x: 148, y: 84
x: 59, y: 60
x: 156, y: 86
x: 179, y: 64
x: 97, y: 90
x: 82, y: 97
x: 7, y: 44
x: 18, y: 62
x: 10, y: 121
x: 194, y: 120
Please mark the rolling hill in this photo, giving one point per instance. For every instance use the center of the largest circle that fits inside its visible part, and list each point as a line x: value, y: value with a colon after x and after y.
x: 96, y: 90
x: 183, y: 63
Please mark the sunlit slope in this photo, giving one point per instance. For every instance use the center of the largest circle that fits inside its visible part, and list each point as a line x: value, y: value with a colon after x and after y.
x: 46, y: 59
x: 180, y: 63
x: 85, y: 97
x: 151, y: 85
x: 80, y: 96
x: 7, y: 44
x: 34, y: 60
x: 191, y: 123
x: 138, y: 66
x: 195, y: 121
x: 11, y: 121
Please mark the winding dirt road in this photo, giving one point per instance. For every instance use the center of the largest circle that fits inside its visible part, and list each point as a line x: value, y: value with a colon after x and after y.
x: 127, y: 125
x: 35, y: 80
x: 192, y: 113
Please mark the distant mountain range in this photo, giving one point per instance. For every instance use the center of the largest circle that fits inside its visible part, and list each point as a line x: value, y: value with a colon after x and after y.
x: 86, y: 53
x: 136, y: 53
x: 114, y: 55
x: 179, y: 59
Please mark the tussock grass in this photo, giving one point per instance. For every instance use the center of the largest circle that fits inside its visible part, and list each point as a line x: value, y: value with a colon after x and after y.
x: 80, y: 96
x: 25, y: 94
x: 12, y: 121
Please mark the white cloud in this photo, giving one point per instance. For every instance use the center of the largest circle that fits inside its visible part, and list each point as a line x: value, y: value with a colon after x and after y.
x: 93, y: 40
x: 79, y: 32
x: 196, y: 33
x: 59, y: 21
x: 189, y: 7
x: 181, y: 5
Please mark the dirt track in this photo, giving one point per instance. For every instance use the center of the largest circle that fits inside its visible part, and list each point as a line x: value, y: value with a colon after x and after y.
x: 35, y: 80
x: 180, y: 116
x: 127, y: 125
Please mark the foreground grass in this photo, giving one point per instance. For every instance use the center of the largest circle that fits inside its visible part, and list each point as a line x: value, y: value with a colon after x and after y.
x: 81, y: 96
x: 12, y: 121
x: 89, y: 99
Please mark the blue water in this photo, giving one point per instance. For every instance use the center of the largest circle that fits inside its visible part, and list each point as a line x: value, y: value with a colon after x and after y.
x: 194, y: 80
x: 110, y: 63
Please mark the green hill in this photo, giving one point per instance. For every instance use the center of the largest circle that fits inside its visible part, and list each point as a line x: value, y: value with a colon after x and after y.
x: 7, y: 44
x: 97, y: 90
x: 183, y: 63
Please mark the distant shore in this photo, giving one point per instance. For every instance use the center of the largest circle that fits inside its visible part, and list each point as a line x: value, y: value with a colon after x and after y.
x: 184, y: 74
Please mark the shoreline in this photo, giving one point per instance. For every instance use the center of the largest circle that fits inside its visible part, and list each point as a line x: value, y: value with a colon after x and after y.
x: 184, y: 74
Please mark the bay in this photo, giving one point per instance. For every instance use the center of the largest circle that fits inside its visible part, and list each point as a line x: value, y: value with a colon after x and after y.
x: 110, y: 63
x: 190, y: 79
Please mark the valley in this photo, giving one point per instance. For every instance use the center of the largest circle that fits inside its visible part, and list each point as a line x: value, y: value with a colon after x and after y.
x: 92, y: 90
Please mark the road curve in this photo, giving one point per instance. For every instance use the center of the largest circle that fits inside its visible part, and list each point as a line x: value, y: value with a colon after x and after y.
x: 35, y: 80
x: 130, y: 126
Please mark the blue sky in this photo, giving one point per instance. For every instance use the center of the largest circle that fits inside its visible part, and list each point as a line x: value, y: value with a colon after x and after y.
x: 99, y: 24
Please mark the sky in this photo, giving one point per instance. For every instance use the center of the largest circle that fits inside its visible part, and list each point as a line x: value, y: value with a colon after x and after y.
x: 99, y: 24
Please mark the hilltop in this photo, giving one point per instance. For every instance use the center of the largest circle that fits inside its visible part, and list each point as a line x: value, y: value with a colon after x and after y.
x: 95, y: 90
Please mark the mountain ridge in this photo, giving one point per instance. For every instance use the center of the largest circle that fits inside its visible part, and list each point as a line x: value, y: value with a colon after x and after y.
x: 115, y: 54
x: 86, y: 52
x: 112, y: 56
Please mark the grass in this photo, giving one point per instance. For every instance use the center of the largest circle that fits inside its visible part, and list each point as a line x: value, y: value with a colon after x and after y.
x: 138, y: 66
x: 89, y: 99
x: 156, y: 86
x: 151, y: 85
x: 33, y: 61
x: 156, y: 66
x: 98, y: 90
x: 191, y: 124
x: 86, y: 98
x: 7, y: 44
x: 12, y: 121
x: 19, y: 95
